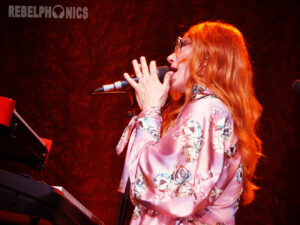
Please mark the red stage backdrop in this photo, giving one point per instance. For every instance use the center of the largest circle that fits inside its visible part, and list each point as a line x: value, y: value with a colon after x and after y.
x: 49, y: 65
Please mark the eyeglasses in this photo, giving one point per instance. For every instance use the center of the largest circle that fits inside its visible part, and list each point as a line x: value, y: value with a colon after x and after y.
x: 181, y: 42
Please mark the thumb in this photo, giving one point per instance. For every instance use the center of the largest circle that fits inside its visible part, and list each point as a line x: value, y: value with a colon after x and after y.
x: 167, y: 79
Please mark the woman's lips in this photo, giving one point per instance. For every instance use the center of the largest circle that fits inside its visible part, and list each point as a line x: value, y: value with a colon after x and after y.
x: 174, y: 69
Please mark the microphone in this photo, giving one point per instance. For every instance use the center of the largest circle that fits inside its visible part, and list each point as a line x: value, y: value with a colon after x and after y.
x: 118, y: 85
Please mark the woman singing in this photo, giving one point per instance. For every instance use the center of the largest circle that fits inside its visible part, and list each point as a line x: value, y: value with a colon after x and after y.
x: 193, y: 164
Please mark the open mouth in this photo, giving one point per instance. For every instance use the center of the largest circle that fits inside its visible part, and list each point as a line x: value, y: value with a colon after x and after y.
x: 174, y: 69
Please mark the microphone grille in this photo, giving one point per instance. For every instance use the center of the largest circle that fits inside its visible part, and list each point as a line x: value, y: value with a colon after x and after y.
x: 161, y: 71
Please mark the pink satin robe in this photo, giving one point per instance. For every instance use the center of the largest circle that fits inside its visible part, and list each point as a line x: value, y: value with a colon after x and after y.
x: 192, y: 174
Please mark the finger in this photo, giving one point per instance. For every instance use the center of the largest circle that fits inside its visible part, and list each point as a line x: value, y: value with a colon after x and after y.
x: 167, y: 80
x: 137, y: 69
x: 153, y: 69
x: 144, y: 65
x: 130, y: 81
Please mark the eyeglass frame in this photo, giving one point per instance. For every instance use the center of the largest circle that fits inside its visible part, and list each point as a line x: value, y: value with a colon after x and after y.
x: 181, y: 42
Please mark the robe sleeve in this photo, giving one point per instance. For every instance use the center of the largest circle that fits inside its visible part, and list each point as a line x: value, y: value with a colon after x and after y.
x: 179, y: 174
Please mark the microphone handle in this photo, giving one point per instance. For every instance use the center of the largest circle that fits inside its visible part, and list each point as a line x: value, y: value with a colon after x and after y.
x: 161, y: 71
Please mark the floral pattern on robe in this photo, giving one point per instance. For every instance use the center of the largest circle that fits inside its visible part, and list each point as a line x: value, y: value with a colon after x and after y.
x: 190, y: 175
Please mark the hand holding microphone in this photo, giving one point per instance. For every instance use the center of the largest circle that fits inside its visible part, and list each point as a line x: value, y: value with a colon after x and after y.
x: 150, y: 92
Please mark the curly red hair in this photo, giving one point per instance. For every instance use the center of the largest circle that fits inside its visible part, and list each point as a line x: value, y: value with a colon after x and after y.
x: 220, y: 61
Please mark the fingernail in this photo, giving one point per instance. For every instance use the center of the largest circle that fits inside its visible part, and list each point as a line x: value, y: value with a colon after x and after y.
x: 170, y: 73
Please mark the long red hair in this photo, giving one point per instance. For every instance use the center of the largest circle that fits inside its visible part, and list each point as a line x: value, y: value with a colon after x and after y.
x: 220, y: 61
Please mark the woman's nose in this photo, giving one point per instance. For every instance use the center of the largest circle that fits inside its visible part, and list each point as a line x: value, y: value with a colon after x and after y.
x: 171, y: 58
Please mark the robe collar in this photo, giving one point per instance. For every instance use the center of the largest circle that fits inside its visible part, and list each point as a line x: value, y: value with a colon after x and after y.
x: 199, y: 91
